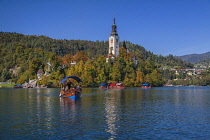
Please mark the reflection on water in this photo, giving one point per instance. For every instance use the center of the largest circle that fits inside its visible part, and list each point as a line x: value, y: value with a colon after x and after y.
x: 111, y: 104
x: 69, y: 109
x: 41, y: 108
x: 132, y: 113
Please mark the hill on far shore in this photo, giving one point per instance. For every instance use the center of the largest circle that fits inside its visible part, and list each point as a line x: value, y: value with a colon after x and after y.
x: 194, y: 58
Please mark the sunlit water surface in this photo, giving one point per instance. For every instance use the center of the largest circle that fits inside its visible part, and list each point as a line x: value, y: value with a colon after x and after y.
x: 132, y: 113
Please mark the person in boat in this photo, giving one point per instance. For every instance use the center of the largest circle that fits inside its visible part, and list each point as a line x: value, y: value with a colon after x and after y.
x: 69, y: 84
x: 79, y: 87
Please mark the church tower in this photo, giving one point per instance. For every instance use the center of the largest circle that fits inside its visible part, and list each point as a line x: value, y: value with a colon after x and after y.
x: 114, y: 41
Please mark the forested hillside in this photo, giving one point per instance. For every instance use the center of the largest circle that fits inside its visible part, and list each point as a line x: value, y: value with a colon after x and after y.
x: 23, y: 55
x: 193, y: 58
x: 62, y: 47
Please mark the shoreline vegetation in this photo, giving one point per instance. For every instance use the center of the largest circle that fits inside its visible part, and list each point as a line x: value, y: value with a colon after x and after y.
x: 2, y: 86
x: 12, y: 85
x: 7, y: 85
x: 25, y: 57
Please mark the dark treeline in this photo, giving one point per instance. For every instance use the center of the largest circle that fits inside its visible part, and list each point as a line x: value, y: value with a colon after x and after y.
x: 23, y: 55
x: 59, y: 47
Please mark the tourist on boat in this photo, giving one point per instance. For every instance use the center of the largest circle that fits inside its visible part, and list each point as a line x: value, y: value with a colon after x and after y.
x: 79, y: 87
x: 69, y: 85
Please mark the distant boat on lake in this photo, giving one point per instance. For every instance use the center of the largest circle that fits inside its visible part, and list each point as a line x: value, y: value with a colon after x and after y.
x: 112, y: 86
x: 146, y: 85
x: 18, y: 86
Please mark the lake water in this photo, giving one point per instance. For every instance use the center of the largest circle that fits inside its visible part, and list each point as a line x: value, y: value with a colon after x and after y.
x: 132, y: 113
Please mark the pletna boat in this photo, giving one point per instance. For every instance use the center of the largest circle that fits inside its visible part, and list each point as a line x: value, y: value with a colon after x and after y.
x: 70, y: 92
x: 112, y: 86
x: 18, y: 86
x: 146, y: 85
x: 117, y: 86
x: 104, y: 86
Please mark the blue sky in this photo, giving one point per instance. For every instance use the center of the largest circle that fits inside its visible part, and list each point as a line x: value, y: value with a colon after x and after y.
x: 164, y: 27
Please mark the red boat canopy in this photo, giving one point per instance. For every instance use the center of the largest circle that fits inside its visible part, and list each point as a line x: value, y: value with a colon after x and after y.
x: 112, y: 84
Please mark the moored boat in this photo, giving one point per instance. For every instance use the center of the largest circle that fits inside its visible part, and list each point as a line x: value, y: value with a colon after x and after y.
x: 112, y: 86
x: 146, y: 85
x: 104, y: 85
x: 117, y: 86
x: 18, y: 86
x: 67, y: 91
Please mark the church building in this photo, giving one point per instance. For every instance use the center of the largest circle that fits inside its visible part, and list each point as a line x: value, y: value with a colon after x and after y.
x: 114, y: 43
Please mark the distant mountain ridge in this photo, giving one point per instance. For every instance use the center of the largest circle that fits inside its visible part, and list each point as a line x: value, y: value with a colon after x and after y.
x: 193, y: 58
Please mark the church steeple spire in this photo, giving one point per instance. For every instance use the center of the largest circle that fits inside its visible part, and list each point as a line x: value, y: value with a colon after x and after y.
x: 114, y: 28
x: 114, y: 42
